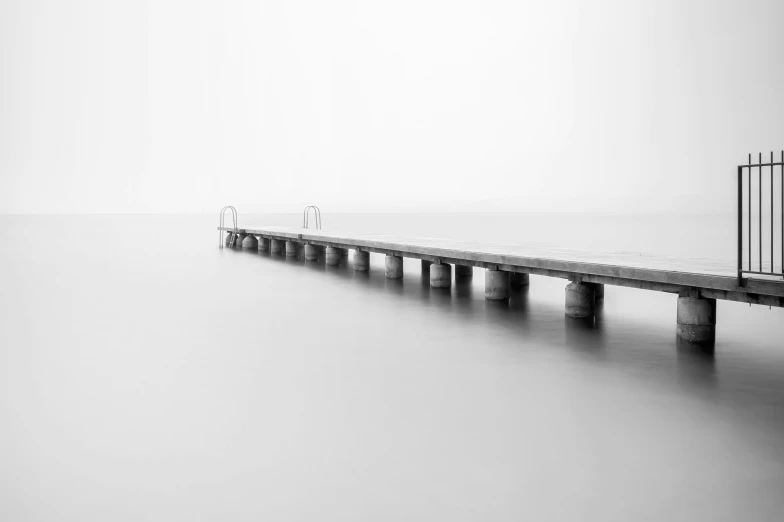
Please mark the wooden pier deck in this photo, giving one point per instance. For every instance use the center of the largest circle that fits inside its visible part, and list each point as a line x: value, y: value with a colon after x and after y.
x: 683, y: 277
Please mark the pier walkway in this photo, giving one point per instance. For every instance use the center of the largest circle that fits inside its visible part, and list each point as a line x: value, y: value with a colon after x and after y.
x: 697, y: 286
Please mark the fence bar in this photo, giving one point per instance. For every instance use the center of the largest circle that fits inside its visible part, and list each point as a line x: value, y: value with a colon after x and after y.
x: 767, y: 164
x: 771, y: 212
x: 740, y: 224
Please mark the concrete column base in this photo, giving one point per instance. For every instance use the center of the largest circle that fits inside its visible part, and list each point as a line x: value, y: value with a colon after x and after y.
x: 240, y: 238
x: 580, y: 299
x: 464, y: 272
x: 292, y: 249
x: 332, y: 256
x: 264, y: 244
x: 311, y: 253
x: 518, y: 280
x: 393, y: 267
x: 697, y: 320
x: 598, y: 290
x: 496, y: 285
x: 440, y: 275
x: 276, y: 246
x: 251, y: 242
x: 361, y: 261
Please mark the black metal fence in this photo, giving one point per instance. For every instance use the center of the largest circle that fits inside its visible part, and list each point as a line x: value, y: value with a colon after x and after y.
x: 761, y: 245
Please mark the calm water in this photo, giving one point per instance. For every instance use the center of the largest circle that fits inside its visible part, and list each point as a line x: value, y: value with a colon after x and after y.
x: 149, y: 375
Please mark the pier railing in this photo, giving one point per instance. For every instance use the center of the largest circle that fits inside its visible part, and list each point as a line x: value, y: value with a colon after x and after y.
x: 761, y: 240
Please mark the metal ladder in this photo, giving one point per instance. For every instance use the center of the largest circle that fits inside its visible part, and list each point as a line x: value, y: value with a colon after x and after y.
x: 234, y: 233
x: 306, y: 215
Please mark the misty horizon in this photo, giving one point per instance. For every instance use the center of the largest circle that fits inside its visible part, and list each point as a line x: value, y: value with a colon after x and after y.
x: 569, y: 106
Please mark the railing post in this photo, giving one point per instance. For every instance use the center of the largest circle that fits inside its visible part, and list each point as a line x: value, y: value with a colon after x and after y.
x: 740, y: 225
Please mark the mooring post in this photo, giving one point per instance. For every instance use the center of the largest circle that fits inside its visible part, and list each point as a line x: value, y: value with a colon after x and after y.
x: 276, y: 246
x: 240, y: 238
x: 332, y: 256
x: 696, y: 319
x: 361, y: 261
x: 311, y: 252
x: 496, y: 284
x: 264, y: 244
x: 249, y: 242
x: 393, y: 267
x: 580, y: 299
x: 343, y: 253
x: 440, y: 275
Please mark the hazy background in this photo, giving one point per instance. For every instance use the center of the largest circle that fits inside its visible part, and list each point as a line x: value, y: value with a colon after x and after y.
x: 185, y: 106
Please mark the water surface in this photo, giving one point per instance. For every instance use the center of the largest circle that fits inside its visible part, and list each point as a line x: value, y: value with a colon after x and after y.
x: 149, y: 375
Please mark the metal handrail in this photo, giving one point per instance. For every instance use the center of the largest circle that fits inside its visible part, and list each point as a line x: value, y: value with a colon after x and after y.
x: 234, y: 233
x: 306, y: 215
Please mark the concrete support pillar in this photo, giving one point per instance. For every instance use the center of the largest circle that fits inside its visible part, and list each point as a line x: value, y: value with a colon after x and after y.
x: 697, y: 319
x: 464, y: 272
x: 426, y: 265
x: 598, y: 290
x: 264, y: 244
x: 251, y: 242
x: 343, y: 253
x: 311, y: 253
x: 580, y: 299
x: 333, y: 256
x: 440, y: 275
x: 240, y: 238
x: 361, y: 261
x: 394, y: 267
x: 276, y: 246
x: 518, y: 280
x: 496, y: 285
x: 292, y: 249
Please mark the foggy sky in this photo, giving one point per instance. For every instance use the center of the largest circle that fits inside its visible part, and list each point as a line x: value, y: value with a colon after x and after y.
x: 186, y: 106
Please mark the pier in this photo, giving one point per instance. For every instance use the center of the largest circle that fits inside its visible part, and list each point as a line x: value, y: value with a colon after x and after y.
x: 508, y: 267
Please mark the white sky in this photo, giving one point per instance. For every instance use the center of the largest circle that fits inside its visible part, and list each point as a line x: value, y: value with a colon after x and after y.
x: 186, y: 106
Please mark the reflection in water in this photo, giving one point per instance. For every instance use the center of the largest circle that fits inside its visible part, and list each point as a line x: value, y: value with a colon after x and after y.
x: 394, y: 286
x: 696, y: 365
x: 518, y: 299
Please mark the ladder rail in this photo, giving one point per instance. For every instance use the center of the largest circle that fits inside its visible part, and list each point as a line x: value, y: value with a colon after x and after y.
x: 306, y: 216
x: 234, y: 233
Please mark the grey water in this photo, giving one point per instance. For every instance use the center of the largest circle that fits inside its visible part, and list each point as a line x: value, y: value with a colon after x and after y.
x: 149, y: 375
